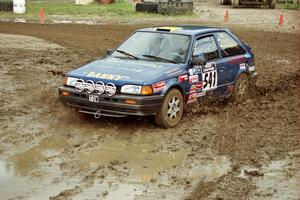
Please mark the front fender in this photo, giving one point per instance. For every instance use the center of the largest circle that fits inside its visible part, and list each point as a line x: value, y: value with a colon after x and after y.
x: 173, y: 83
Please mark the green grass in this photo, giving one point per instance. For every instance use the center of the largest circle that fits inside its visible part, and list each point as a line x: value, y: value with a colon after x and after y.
x: 95, y: 10
x: 292, y: 6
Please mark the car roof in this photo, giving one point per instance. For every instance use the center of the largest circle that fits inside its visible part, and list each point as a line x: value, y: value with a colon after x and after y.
x: 183, y: 29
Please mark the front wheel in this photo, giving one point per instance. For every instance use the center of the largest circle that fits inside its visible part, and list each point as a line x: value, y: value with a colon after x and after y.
x: 241, y: 90
x: 171, y: 109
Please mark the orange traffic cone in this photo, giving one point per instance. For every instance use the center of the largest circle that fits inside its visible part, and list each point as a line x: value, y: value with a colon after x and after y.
x: 226, y: 16
x: 281, y: 20
x: 42, y: 16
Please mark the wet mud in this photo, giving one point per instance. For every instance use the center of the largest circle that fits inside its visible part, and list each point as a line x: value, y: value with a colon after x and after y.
x: 220, y: 150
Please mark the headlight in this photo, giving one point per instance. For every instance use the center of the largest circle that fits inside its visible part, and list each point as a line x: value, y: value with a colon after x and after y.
x: 131, y: 89
x: 70, y: 81
x: 136, y: 89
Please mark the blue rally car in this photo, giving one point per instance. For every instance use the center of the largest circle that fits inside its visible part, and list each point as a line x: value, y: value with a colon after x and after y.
x: 157, y: 71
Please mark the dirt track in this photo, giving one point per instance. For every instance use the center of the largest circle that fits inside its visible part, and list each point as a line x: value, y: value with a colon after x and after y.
x: 220, y: 151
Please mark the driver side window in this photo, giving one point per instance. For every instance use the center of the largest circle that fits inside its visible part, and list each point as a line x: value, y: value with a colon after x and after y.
x: 206, y: 47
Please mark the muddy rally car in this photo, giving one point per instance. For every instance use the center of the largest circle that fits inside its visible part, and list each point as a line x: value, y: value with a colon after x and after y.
x: 158, y: 71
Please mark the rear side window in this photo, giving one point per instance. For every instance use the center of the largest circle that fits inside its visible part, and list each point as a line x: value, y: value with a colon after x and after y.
x: 206, y: 47
x: 229, y: 47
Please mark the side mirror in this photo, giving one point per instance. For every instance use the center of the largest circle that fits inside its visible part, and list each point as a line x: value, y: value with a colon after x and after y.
x: 109, y: 52
x: 198, y: 61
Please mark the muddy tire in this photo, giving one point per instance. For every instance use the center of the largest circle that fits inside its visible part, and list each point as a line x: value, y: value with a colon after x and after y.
x: 171, y: 109
x: 174, y: 8
x: 272, y: 4
x: 225, y: 2
x: 241, y: 90
x: 6, y: 5
x: 146, y: 7
x: 235, y: 3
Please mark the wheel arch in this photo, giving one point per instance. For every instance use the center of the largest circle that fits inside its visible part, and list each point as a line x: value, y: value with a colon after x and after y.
x: 178, y: 87
x: 238, y: 76
x: 240, y: 73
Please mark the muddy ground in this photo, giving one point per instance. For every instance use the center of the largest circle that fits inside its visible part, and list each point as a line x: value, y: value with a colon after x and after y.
x: 219, y: 151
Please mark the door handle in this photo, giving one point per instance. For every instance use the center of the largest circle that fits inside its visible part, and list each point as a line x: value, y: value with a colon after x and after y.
x: 221, y: 68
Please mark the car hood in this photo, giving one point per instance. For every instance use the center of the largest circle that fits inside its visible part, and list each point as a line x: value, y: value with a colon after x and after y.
x: 124, y: 71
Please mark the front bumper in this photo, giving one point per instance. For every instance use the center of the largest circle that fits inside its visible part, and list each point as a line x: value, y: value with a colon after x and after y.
x: 111, y: 106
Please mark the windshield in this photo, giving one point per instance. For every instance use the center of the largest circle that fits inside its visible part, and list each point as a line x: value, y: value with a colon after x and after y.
x: 162, y: 47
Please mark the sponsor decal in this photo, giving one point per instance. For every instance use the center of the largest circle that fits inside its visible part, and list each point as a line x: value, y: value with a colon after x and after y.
x: 197, y: 86
x: 197, y: 69
x: 114, y: 77
x: 209, y: 76
x: 193, y: 79
x: 192, y: 98
x: 159, y: 86
x: 193, y: 87
x: 200, y: 94
x: 183, y: 78
x: 251, y: 68
x: 242, y: 66
x: 192, y: 91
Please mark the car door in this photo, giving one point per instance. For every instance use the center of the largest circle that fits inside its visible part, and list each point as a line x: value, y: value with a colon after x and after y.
x: 232, y: 58
x: 206, y: 47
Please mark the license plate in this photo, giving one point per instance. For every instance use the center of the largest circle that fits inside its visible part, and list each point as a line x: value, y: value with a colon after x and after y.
x: 93, y: 98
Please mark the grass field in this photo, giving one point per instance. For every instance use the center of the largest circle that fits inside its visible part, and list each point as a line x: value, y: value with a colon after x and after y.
x: 120, y: 9
x: 292, y: 6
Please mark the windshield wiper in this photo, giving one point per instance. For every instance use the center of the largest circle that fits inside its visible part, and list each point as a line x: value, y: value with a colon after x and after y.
x: 159, y: 58
x: 128, y: 54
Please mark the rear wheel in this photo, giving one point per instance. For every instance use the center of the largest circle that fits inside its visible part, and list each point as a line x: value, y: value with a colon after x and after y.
x: 241, y: 90
x: 171, y: 109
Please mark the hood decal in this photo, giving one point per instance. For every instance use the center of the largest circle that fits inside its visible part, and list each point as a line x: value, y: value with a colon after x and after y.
x: 106, y: 76
x: 125, y: 71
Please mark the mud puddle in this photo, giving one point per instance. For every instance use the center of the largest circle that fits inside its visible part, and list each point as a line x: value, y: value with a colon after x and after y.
x: 280, y: 179
x: 139, y: 171
x: 141, y: 159
x: 219, y: 166
x: 30, y: 175
x: 41, y: 184
x: 29, y: 160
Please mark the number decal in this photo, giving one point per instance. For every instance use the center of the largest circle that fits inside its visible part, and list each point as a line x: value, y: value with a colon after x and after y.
x: 209, y: 76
